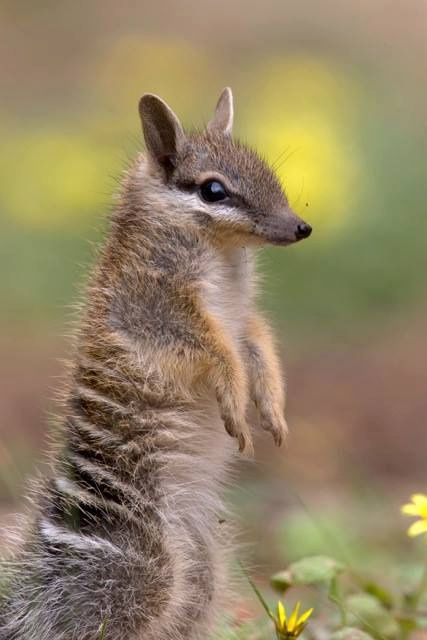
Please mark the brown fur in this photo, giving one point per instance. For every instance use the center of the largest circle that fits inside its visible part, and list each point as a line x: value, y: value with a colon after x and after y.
x: 169, y: 353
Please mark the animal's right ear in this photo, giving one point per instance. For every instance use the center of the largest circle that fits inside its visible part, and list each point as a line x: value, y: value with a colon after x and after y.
x: 222, y: 120
x: 163, y: 133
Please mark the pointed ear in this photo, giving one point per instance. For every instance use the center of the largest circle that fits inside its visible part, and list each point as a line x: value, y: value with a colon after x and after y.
x: 222, y: 122
x: 163, y: 133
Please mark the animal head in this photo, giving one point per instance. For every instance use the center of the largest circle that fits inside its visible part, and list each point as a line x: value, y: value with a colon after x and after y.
x: 223, y: 185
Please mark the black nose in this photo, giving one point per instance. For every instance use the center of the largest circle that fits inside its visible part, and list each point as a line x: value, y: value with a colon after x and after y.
x: 303, y: 231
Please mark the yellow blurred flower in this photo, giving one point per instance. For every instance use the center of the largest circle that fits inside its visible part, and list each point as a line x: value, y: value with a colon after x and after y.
x: 417, y: 507
x: 302, y: 113
x: 173, y: 68
x: 55, y: 176
x: 292, y: 626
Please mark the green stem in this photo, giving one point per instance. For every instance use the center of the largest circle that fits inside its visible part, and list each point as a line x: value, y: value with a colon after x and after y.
x: 102, y: 630
x: 416, y: 597
x: 258, y: 593
x: 335, y: 596
x: 412, y: 601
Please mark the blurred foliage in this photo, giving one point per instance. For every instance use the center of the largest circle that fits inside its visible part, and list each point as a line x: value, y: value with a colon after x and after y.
x: 350, y: 601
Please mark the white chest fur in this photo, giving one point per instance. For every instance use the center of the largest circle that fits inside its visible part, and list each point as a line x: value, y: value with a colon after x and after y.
x: 228, y: 289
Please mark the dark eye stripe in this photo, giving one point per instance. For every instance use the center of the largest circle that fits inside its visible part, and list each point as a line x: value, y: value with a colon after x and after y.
x: 187, y: 186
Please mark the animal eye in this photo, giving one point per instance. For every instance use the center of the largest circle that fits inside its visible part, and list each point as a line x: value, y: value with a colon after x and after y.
x: 213, y: 191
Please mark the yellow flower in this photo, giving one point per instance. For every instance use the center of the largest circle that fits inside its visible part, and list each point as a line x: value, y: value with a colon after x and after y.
x: 418, y: 507
x: 286, y: 628
x: 293, y: 626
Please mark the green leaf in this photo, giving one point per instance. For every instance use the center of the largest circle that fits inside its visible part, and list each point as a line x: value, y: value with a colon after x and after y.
x: 367, y: 612
x: 384, y: 596
x: 281, y: 580
x: 312, y: 570
x: 350, y: 633
x: 408, y: 624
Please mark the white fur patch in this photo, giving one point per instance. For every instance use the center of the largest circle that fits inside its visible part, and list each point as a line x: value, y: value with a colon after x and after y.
x: 86, y: 392
x: 56, y: 534
x: 93, y: 431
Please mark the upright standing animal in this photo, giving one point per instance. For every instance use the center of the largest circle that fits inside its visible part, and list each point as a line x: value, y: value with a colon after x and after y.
x: 126, y: 532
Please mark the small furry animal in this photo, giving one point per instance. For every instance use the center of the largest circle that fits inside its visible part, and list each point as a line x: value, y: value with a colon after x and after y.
x: 126, y: 531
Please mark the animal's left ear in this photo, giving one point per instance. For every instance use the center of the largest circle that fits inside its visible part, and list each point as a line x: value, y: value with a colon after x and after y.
x: 222, y: 122
x: 163, y: 133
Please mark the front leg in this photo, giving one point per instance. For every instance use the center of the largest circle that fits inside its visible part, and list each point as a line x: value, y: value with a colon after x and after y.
x: 226, y: 370
x: 266, y: 384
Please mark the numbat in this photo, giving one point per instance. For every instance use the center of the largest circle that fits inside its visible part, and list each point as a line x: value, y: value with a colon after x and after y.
x: 125, y: 540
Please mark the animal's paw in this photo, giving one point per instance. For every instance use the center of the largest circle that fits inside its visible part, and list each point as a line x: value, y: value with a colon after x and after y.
x: 239, y: 429
x: 273, y: 420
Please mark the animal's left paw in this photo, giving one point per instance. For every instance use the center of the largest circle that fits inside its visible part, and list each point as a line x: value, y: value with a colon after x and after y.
x: 274, y: 421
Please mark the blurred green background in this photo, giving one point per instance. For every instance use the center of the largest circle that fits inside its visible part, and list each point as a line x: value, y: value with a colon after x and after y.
x: 335, y: 94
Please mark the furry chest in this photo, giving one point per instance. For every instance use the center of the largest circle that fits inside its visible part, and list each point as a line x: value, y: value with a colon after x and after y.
x: 227, y: 291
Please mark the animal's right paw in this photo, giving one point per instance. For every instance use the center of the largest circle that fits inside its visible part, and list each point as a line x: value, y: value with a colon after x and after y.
x: 239, y: 429
x: 275, y: 423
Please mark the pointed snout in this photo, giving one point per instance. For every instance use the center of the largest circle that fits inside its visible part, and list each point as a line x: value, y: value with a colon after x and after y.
x: 303, y: 231
x: 285, y: 227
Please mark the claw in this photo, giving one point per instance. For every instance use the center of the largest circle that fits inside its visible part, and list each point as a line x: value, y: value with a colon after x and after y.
x: 246, y: 445
x: 229, y: 427
x: 243, y: 437
x: 278, y: 432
